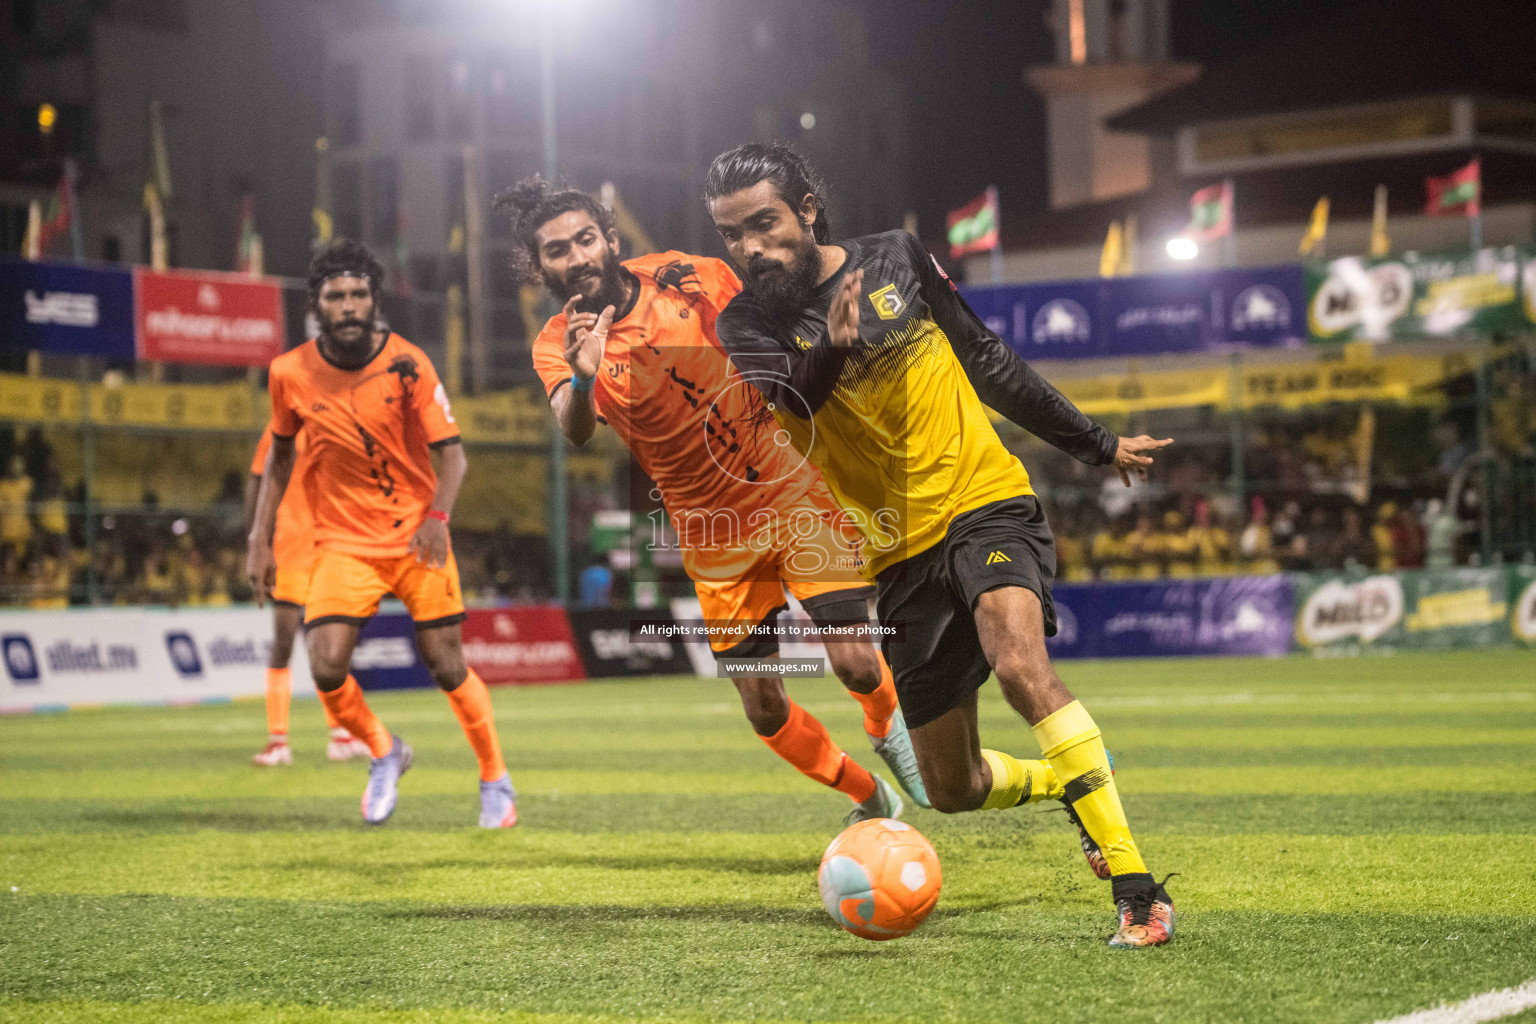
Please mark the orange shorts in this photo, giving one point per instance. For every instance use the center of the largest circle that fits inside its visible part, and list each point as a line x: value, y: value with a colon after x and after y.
x: 292, y: 585
x: 817, y: 569
x: 347, y: 588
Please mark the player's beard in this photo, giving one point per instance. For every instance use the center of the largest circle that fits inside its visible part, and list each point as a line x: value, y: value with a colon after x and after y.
x: 784, y: 294
x: 344, y: 351
x: 608, y: 292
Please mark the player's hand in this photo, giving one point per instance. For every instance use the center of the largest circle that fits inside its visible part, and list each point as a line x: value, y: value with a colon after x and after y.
x: 585, y: 336
x: 843, y: 316
x: 1129, y: 458
x: 430, y: 544
x: 260, y: 571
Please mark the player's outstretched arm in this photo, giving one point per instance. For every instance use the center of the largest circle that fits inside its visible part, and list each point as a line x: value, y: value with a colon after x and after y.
x: 1005, y: 382
x: 1130, y: 457
x: 260, y: 567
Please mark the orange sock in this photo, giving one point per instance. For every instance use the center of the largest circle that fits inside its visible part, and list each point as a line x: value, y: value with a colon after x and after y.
x: 279, y: 690
x: 804, y: 743
x: 331, y: 721
x: 879, y: 704
x: 352, y: 713
x: 472, y: 703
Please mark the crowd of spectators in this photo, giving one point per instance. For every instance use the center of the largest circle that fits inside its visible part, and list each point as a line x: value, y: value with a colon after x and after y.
x: 1145, y: 544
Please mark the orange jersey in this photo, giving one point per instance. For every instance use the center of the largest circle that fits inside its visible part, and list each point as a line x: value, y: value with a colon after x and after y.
x: 370, y: 432
x: 293, y: 544
x: 668, y: 389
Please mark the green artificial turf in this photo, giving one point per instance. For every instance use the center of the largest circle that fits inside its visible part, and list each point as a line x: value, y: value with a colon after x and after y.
x: 1354, y: 840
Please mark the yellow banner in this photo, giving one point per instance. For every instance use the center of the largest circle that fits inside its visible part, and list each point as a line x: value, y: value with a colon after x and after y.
x: 1138, y: 392
x: 38, y: 399
x: 507, y: 417
x: 1289, y: 385
x: 1408, y: 379
x: 179, y: 406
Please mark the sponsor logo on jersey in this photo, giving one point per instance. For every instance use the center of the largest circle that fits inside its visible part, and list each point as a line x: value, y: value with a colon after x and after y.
x: 888, y: 302
x: 996, y: 557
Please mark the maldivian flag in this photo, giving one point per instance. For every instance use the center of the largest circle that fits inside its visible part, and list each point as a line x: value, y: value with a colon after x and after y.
x: 55, y: 215
x: 974, y: 227
x: 1458, y: 192
x: 1210, y: 213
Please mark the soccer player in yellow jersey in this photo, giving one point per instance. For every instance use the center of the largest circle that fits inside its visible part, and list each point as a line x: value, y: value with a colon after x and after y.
x: 873, y: 364
x: 635, y: 346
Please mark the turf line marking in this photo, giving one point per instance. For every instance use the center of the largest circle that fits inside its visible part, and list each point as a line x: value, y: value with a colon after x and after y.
x: 1504, y: 1002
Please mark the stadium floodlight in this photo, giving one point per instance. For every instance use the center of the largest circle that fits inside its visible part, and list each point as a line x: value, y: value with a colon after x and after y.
x: 1181, y: 247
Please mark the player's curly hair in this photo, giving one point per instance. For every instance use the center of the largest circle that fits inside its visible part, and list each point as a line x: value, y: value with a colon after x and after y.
x: 344, y: 258
x: 534, y: 202
x: 792, y: 175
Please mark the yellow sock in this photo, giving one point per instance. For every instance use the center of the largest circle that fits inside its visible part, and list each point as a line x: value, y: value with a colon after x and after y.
x: 1070, y: 742
x: 1016, y: 782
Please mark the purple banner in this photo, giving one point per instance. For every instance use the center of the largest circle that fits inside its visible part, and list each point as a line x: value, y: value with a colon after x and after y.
x: 1243, y: 615
x: 386, y: 657
x: 1198, y: 311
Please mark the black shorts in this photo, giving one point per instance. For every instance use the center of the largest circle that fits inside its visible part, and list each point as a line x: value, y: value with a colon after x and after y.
x: 930, y: 598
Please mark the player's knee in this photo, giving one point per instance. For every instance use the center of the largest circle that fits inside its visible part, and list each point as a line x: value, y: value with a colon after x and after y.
x: 448, y: 673
x: 1022, y: 670
x: 955, y: 795
x: 766, y: 706
x: 861, y: 675
x: 329, y: 677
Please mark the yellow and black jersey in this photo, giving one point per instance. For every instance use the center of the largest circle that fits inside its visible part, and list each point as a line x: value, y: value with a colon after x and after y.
x: 897, y: 424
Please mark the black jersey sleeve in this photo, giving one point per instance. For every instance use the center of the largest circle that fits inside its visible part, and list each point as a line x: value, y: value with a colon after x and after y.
x: 1004, y: 381
x: 798, y: 382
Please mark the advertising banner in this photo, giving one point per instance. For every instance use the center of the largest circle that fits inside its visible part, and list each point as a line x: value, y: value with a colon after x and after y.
x: 219, y: 319
x: 609, y: 647
x: 137, y: 655
x: 1418, y: 295
x: 386, y: 657
x: 59, y: 307
x: 1151, y: 314
x: 531, y: 644
x: 1522, y: 604
x: 1428, y: 609
x: 1244, y: 615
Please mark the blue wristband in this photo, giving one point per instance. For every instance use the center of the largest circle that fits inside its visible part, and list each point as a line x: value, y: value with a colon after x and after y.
x: 582, y: 385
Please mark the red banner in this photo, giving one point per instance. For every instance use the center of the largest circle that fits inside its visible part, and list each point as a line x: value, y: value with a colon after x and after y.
x: 522, y: 645
x: 218, y: 319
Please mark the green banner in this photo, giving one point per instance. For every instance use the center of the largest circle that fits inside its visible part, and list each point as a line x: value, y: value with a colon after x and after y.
x: 1421, y: 295
x: 1416, y: 610
x: 1522, y: 604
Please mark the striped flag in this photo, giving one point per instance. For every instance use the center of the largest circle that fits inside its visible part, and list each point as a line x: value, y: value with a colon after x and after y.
x: 975, y: 226
x: 1461, y: 191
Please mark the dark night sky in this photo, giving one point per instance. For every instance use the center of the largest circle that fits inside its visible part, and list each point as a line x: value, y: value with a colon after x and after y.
x: 973, y: 119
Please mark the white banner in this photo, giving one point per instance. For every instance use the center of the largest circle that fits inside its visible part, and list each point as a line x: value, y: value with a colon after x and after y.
x: 137, y: 655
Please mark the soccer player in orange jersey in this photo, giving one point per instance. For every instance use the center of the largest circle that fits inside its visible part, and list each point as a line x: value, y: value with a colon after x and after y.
x: 374, y: 413
x: 293, y: 547
x: 635, y: 346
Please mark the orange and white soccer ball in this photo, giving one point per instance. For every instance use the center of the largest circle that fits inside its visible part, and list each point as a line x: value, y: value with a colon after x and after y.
x: 879, y: 879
